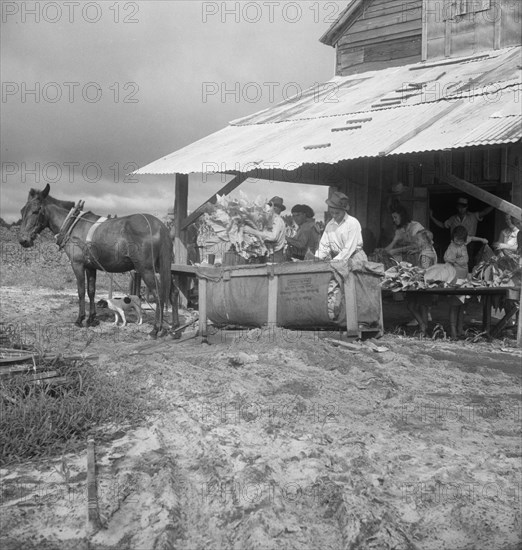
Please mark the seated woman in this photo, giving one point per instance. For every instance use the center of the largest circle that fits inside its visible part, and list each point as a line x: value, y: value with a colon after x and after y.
x: 507, y: 240
x: 403, y: 246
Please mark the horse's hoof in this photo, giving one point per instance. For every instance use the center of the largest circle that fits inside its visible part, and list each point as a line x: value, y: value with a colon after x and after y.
x: 163, y: 332
x: 153, y: 334
x: 79, y: 324
x: 176, y: 335
x: 93, y: 323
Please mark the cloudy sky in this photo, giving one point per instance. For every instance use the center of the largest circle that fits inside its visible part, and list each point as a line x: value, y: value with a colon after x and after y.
x: 94, y: 90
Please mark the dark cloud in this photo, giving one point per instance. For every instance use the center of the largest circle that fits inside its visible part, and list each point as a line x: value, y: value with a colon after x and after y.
x: 86, y: 102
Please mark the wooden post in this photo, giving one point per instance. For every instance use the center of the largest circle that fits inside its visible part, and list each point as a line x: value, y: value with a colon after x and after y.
x: 202, y: 299
x: 273, y: 281
x: 180, y: 238
x: 350, y: 300
x: 93, y: 517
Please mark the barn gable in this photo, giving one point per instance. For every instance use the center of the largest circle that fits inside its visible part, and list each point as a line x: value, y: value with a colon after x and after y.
x: 376, y: 34
x: 466, y: 27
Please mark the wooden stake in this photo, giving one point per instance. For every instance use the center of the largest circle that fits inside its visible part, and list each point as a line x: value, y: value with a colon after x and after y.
x: 93, y: 517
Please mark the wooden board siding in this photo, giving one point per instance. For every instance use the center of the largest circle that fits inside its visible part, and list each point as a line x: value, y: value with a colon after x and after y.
x: 511, y: 25
x: 473, y: 32
x: 382, y: 55
x: 387, y: 33
x: 357, y: 36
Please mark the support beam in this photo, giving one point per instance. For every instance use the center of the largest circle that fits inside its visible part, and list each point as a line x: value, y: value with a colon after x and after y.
x: 180, y: 213
x: 225, y: 190
x: 180, y: 237
x: 484, y: 196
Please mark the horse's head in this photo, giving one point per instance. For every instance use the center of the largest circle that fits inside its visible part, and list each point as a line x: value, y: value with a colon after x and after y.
x: 34, y: 219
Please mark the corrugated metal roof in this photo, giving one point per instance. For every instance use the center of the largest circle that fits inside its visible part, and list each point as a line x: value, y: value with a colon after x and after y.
x: 409, y: 109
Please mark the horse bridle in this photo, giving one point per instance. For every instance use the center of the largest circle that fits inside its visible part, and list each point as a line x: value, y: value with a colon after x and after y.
x: 40, y: 221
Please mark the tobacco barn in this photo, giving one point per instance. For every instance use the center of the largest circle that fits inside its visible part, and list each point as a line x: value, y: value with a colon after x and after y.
x: 427, y: 94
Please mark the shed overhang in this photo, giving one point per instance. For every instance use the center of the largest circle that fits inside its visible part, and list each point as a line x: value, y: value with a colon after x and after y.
x: 416, y: 108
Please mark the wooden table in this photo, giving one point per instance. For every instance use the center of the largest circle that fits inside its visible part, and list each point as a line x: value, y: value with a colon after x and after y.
x: 182, y: 274
x: 486, y: 293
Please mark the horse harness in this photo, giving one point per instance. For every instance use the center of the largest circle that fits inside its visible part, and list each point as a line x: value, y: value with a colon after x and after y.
x: 72, y: 218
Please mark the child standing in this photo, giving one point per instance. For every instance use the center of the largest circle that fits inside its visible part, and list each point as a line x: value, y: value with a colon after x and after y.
x: 419, y: 306
x: 427, y: 254
x: 457, y: 255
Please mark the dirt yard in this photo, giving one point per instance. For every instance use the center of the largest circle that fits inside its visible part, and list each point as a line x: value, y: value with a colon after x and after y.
x: 278, y: 440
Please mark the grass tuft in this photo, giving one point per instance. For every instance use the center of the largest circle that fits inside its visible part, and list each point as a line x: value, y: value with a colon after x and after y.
x: 41, y: 420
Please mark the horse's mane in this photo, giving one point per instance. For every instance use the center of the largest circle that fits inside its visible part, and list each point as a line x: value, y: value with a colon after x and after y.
x: 67, y: 205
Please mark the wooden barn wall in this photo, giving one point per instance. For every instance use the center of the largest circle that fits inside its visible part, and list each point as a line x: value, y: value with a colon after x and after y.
x: 387, y: 33
x: 477, y: 26
x: 368, y: 183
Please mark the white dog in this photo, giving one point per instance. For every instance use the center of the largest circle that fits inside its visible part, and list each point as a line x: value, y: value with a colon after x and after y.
x: 125, y: 304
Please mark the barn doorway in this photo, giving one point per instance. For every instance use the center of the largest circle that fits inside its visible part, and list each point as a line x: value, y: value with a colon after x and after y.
x: 442, y: 202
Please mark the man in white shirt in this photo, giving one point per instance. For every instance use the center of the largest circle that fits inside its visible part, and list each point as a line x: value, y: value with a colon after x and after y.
x: 275, y: 237
x: 467, y: 219
x: 342, y: 237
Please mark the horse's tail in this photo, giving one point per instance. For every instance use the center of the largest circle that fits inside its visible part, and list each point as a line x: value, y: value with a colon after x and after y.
x: 165, y: 264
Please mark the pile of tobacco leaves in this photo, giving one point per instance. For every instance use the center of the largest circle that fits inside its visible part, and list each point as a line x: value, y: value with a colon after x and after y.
x: 222, y: 226
x: 501, y: 270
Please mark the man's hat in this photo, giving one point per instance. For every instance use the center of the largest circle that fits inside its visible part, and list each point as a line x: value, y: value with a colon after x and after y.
x: 277, y: 201
x: 397, y: 188
x: 463, y: 201
x: 338, y: 200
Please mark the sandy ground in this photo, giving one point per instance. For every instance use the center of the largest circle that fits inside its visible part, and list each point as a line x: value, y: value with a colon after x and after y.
x: 279, y: 440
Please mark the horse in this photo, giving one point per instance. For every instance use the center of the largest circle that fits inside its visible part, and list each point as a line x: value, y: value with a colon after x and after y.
x: 114, y: 245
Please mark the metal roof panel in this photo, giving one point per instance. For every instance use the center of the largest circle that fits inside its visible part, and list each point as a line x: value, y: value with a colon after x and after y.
x: 441, y: 107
